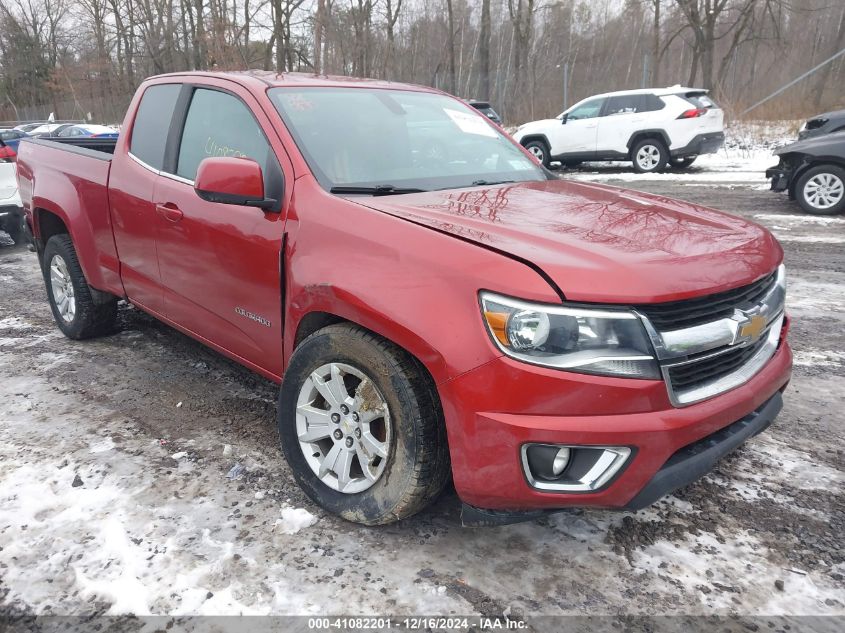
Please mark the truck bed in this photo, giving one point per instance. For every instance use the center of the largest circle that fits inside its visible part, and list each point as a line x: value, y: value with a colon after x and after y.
x: 70, y: 181
x: 96, y: 145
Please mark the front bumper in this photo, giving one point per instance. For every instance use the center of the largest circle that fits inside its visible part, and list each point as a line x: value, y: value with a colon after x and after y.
x: 779, y: 176
x: 485, y: 443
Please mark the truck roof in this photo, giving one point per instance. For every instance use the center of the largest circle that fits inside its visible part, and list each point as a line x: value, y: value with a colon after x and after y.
x: 269, y: 78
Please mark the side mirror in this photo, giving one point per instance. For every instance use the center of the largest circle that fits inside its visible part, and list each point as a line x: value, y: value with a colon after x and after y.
x: 564, y: 119
x: 232, y: 181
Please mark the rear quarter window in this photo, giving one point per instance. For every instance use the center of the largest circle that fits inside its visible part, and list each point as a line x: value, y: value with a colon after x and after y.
x: 700, y: 100
x: 152, y: 123
x: 651, y: 103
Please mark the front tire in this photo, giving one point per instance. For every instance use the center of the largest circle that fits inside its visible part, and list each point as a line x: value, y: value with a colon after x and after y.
x: 649, y: 155
x: 361, y: 426
x: 540, y: 150
x: 79, y: 311
x: 821, y: 190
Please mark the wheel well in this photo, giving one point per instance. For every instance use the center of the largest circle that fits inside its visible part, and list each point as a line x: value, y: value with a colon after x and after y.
x: 314, y: 321
x: 793, y: 182
x: 534, y: 137
x: 49, y: 224
x: 649, y: 134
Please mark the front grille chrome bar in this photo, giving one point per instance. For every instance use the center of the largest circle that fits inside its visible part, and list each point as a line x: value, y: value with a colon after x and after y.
x: 674, y: 344
x: 737, y: 378
x: 702, y: 345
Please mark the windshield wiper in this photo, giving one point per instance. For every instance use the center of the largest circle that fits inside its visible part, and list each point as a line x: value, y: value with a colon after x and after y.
x: 377, y: 190
x: 478, y: 183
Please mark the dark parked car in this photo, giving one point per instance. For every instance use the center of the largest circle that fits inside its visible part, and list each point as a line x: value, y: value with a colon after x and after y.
x: 12, y: 137
x: 487, y: 110
x: 823, y: 124
x: 812, y: 171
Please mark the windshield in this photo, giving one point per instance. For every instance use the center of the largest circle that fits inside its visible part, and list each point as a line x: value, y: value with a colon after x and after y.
x: 366, y: 137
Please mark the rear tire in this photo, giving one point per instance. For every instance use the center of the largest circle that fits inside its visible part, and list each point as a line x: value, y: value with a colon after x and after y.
x: 649, y: 155
x: 79, y: 310
x: 384, y: 457
x: 541, y: 152
x: 821, y: 190
x: 682, y: 163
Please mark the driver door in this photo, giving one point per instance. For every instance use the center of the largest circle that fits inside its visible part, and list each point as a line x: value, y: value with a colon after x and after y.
x: 578, y: 132
x: 220, y: 263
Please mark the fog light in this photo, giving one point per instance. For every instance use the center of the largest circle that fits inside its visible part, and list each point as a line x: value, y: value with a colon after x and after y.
x: 572, y: 468
x: 547, y: 461
x: 561, y: 460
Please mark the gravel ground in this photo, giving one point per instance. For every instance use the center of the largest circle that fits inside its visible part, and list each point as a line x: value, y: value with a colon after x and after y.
x: 114, y: 455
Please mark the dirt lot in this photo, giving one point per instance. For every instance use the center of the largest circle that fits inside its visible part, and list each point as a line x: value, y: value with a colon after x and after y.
x: 114, y: 455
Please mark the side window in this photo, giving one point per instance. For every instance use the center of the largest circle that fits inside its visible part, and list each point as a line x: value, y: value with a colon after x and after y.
x: 651, y: 103
x: 623, y: 104
x: 587, y: 110
x: 219, y: 124
x: 152, y: 122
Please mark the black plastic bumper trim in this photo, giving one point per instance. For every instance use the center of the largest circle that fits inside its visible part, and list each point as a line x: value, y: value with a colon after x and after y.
x: 697, y: 459
x: 687, y: 465
x: 708, y: 143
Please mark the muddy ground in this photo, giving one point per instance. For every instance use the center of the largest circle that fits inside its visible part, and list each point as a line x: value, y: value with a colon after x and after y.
x: 114, y: 496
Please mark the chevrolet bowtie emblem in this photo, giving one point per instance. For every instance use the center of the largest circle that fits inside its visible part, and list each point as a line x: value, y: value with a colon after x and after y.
x: 753, y: 328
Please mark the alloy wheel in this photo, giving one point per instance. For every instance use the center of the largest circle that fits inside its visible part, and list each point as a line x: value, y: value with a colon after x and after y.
x: 538, y: 152
x: 62, y: 288
x: 648, y: 157
x: 343, y: 427
x: 824, y: 191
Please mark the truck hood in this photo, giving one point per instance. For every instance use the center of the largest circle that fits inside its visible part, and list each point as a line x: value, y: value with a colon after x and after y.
x: 599, y: 243
x: 824, y: 145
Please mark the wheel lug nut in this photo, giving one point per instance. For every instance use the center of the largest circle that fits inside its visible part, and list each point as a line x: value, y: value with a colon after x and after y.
x: 349, y: 442
x: 344, y: 409
x: 355, y: 416
x: 358, y: 433
x: 337, y: 434
x: 335, y: 418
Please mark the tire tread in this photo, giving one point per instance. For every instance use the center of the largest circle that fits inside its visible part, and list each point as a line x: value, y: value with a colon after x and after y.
x: 92, y: 318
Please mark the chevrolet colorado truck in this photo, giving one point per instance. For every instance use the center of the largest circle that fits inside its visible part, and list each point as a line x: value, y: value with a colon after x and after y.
x: 544, y: 343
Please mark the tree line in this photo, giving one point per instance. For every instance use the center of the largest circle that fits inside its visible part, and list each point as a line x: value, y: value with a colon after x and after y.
x: 84, y: 58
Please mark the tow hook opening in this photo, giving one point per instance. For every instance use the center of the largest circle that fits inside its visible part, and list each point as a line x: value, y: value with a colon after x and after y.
x: 567, y: 468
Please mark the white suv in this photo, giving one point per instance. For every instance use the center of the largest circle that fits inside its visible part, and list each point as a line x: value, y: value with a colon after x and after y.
x: 648, y: 127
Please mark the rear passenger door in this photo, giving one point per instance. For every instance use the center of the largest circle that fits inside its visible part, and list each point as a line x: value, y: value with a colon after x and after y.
x: 220, y: 263
x: 132, y: 181
x: 621, y: 118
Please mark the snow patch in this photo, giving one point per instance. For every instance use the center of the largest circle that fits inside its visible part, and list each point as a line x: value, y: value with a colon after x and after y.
x: 14, y: 323
x: 818, y: 358
x: 106, y: 444
x: 293, y: 520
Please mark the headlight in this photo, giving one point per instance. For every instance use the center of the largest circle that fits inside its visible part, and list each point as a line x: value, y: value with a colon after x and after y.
x: 606, y: 342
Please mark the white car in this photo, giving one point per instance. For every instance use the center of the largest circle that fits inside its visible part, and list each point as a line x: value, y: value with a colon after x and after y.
x: 651, y: 128
x: 11, y: 212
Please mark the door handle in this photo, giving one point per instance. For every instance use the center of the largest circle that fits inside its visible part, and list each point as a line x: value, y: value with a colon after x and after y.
x: 170, y: 212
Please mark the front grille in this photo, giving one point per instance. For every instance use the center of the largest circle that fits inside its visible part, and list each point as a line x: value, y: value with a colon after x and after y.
x: 697, y: 373
x: 675, y: 315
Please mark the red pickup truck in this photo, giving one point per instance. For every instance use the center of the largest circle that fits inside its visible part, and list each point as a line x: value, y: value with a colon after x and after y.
x: 432, y: 301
